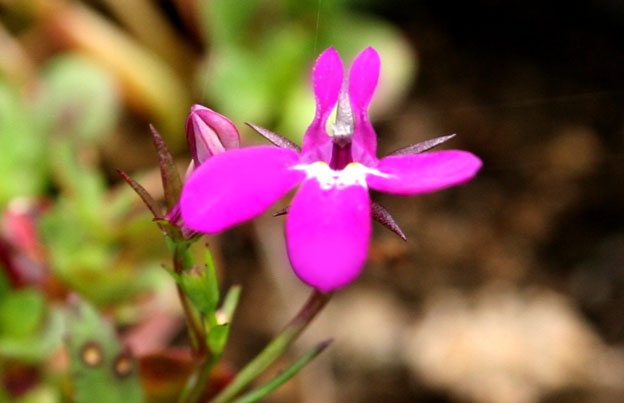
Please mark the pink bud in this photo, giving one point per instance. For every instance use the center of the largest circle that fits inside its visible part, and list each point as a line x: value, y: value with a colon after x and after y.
x: 209, y: 133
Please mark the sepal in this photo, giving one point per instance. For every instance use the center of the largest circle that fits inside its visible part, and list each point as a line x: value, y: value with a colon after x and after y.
x: 275, y: 138
x: 382, y: 216
x: 149, y: 201
x: 172, y: 184
x: 422, y: 146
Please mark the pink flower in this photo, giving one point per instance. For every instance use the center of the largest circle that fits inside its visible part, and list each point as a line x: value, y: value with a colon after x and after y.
x: 209, y: 133
x: 328, y: 227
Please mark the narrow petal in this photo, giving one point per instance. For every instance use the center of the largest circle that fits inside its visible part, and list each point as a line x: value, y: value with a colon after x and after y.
x: 328, y: 232
x: 237, y: 185
x: 327, y: 79
x: 362, y: 83
x: 422, y: 173
x: 363, y: 78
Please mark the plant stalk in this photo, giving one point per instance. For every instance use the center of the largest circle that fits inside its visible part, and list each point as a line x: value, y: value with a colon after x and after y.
x: 197, y: 382
x: 275, y: 348
x: 196, y: 332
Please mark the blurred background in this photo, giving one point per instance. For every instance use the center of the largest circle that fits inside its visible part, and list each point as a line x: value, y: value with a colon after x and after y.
x: 510, y: 289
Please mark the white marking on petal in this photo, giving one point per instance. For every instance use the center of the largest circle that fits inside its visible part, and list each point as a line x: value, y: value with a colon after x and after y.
x: 354, y: 174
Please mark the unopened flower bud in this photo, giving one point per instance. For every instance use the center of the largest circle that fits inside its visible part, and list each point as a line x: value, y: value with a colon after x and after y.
x: 209, y: 133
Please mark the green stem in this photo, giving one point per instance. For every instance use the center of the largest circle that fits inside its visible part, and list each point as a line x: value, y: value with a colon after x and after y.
x: 196, y: 332
x: 196, y: 383
x: 275, y: 348
x: 284, y: 376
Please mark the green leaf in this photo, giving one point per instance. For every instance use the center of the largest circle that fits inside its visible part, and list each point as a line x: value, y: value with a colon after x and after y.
x: 212, y: 282
x: 257, y: 394
x: 230, y: 303
x: 21, y: 313
x: 101, y: 370
x: 217, y: 339
x: 200, y: 285
x: 196, y: 285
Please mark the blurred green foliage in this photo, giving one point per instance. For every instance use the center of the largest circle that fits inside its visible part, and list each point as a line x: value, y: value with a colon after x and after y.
x: 262, y: 52
x: 79, y: 99
x: 22, y: 143
x: 29, y: 329
x: 100, y: 245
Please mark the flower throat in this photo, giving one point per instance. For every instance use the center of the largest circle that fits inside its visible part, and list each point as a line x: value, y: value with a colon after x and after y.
x: 342, y: 132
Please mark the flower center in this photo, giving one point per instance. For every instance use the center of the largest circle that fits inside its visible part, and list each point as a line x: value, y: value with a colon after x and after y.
x: 353, y: 174
x: 341, y: 156
x: 342, y: 131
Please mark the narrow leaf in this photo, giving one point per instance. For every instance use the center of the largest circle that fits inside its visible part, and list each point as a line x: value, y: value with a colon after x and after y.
x: 212, y: 282
x: 231, y: 302
x: 172, y: 183
x: 382, y: 216
x: 143, y: 194
x: 217, y: 339
x: 422, y: 146
x: 275, y: 138
x: 262, y: 391
x: 313, y: 305
x: 195, y: 286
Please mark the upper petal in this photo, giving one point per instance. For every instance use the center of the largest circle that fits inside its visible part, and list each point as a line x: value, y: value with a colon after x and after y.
x: 362, y: 83
x: 327, y: 79
x: 327, y: 232
x: 236, y: 186
x: 422, y: 173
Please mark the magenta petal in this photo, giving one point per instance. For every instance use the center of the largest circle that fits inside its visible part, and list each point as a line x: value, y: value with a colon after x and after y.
x: 363, y: 78
x: 362, y: 83
x: 328, y: 232
x: 209, y: 133
x: 237, y: 185
x: 422, y: 173
x: 327, y: 79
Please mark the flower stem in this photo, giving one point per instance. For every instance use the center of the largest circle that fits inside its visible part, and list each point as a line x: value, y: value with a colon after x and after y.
x: 196, y: 332
x: 197, y: 382
x: 275, y: 348
x: 262, y: 391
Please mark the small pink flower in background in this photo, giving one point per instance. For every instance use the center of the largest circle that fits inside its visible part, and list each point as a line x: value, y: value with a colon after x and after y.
x: 328, y: 227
